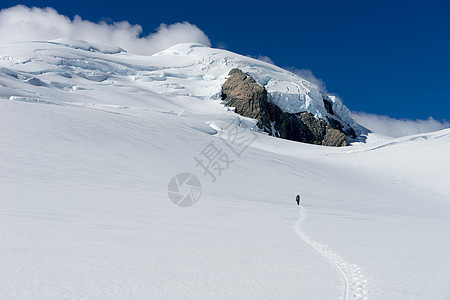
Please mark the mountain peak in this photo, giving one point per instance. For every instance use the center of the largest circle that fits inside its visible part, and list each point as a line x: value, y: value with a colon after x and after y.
x: 67, y: 71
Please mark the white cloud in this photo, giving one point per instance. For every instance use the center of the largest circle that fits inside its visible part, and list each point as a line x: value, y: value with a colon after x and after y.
x: 221, y: 45
x: 21, y: 23
x: 395, y: 127
x: 308, y: 75
x: 262, y: 58
x: 265, y: 59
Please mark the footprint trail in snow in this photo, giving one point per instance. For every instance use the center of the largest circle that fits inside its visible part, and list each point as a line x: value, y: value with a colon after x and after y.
x: 352, y: 275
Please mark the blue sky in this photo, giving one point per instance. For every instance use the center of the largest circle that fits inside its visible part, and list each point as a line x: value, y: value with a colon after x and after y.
x: 381, y: 57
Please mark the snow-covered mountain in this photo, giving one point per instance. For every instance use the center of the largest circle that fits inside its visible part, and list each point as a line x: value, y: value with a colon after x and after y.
x: 51, y: 69
x: 92, y: 139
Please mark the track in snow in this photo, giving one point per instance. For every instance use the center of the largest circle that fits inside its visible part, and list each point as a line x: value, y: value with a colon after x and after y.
x: 355, y: 282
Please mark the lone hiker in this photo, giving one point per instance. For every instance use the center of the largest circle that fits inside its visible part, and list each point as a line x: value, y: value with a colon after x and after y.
x: 298, y: 199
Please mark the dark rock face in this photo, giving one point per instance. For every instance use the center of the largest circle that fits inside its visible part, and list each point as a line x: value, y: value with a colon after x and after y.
x: 242, y: 92
x: 250, y: 100
x: 328, y: 106
x: 335, y: 138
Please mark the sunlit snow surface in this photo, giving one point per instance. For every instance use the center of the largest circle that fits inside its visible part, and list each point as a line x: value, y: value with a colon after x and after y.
x: 91, y: 136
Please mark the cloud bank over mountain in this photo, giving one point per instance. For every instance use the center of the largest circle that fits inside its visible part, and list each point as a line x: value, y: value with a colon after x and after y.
x: 21, y: 23
x: 398, y: 127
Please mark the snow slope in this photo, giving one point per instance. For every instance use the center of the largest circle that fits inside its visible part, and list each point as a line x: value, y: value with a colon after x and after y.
x: 91, y: 136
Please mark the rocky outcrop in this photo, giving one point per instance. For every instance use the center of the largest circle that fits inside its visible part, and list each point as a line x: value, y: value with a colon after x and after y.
x: 246, y: 96
x: 251, y: 100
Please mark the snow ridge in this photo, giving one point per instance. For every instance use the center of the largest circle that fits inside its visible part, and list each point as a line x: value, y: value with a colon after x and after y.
x: 352, y: 275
